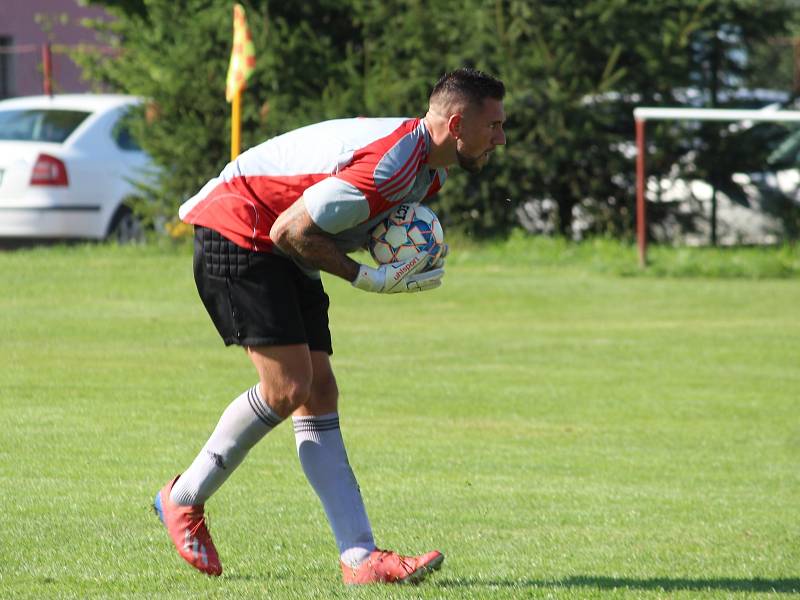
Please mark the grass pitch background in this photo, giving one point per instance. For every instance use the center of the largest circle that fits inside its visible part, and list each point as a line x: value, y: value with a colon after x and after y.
x: 554, y: 430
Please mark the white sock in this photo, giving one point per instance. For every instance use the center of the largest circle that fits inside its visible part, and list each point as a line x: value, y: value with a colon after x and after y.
x: 324, y: 459
x: 246, y: 420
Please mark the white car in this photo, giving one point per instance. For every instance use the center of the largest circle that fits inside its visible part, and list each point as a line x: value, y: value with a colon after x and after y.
x: 67, y: 165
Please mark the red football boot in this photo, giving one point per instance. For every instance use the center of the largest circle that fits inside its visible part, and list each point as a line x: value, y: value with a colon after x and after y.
x: 385, y: 566
x: 186, y: 526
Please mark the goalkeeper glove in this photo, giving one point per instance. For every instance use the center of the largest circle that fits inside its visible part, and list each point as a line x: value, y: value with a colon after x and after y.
x: 439, y: 262
x: 402, y: 276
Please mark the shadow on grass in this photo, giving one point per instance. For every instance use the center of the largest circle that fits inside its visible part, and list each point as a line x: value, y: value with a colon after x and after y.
x: 666, y: 584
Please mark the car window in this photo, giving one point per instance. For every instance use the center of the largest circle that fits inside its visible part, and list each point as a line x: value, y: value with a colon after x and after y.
x: 39, y: 125
x: 122, y: 134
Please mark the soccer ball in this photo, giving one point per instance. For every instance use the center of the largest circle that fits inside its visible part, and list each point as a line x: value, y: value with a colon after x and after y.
x: 407, y: 230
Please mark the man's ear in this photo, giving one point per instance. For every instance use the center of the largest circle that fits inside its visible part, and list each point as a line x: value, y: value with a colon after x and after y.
x: 454, y: 125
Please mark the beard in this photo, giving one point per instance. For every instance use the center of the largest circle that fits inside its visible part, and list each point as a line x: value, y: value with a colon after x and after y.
x: 471, y: 164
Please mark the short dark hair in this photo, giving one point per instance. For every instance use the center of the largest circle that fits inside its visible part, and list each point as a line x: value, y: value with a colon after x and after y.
x: 467, y: 85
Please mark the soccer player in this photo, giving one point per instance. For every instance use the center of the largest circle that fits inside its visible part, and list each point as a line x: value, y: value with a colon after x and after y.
x: 264, y: 228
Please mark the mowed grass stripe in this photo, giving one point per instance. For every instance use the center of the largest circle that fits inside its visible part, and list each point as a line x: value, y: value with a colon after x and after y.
x: 557, y: 432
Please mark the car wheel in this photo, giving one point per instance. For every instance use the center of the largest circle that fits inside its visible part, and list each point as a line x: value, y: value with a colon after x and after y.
x: 125, y: 228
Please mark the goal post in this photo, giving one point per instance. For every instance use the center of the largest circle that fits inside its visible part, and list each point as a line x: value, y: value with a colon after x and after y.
x: 643, y: 114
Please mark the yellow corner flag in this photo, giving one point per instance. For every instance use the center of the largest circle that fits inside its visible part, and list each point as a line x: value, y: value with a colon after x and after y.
x: 243, y: 61
x: 243, y: 55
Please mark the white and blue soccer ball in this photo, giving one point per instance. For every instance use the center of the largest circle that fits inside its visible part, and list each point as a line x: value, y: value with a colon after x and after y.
x: 408, y: 229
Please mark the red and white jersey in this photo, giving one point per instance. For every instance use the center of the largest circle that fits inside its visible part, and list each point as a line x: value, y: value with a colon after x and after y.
x: 350, y: 172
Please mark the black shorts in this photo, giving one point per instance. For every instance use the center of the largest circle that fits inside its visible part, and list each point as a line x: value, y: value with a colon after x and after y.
x: 258, y: 298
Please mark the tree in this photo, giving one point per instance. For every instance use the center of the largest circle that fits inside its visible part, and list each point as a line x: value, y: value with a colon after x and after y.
x: 175, y: 54
x: 574, y: 70
x: 725, y: 39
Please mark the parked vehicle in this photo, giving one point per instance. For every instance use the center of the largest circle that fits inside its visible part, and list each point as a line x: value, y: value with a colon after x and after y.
x: 67, y: 166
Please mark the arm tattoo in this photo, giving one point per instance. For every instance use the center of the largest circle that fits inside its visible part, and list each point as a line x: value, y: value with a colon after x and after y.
x: 306, y: 241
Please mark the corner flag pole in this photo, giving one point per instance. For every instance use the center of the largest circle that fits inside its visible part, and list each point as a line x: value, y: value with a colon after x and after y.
x: 236, y: 123
x: 243, y: 62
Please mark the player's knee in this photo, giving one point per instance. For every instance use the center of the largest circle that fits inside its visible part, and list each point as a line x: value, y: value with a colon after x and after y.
x: 324, y: 389
x: 288, y: 396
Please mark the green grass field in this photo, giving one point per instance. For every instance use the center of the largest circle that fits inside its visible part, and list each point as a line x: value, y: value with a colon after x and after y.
x: 557, y: 431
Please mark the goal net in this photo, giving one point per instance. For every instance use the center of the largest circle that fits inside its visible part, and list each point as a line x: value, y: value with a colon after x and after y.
x: 730, y: 201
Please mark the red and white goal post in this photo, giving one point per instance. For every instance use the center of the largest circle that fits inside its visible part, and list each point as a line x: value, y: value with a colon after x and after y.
x: 643, y: 114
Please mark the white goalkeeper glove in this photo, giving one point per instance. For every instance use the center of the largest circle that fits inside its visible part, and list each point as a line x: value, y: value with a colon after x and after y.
x: 402, y: 276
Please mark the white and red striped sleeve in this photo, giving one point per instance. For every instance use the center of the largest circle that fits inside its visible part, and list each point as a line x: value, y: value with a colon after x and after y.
x: 379, y: 176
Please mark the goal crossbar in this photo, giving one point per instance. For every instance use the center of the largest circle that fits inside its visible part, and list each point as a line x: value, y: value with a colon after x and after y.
x: 642, y: 114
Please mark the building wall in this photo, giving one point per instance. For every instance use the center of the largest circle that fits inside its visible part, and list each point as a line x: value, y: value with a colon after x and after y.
x: 21, y: 39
